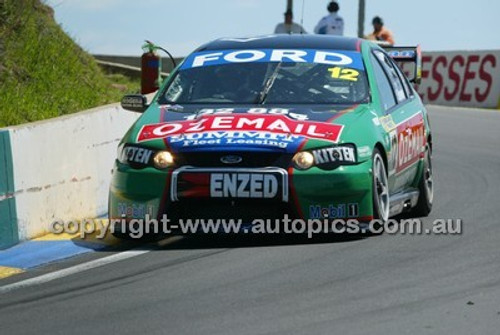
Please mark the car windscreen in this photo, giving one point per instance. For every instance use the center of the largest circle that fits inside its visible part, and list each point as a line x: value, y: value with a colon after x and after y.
x: 269, y: 76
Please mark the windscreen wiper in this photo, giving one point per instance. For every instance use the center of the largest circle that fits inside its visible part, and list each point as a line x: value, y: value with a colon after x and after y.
x: 261, y: 98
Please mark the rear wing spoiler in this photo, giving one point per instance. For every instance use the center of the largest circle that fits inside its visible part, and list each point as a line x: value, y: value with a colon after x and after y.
x: 407, y: 55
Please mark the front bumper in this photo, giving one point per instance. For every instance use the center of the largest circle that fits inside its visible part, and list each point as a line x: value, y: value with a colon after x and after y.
x: 343, y: 193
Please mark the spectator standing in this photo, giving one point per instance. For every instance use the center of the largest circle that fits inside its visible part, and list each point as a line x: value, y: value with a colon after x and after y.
x: 289, y: 27
x: 380, y: 33
x: 333, y: 23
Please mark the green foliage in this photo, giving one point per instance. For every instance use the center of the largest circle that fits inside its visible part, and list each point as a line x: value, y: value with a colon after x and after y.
x: 43, y: 72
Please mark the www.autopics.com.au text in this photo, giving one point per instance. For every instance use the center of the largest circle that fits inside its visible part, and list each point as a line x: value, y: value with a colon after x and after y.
x: 137, y: 228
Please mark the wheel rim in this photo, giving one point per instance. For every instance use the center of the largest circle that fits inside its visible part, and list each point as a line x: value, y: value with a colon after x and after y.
x: 428, y: 178
x: 381, y: 188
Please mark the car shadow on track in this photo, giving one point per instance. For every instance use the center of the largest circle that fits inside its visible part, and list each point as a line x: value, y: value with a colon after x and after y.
x: 212, y: 241
x: 200, y: 241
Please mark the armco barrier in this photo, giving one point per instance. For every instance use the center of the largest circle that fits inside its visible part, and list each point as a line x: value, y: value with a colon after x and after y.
x: 460, y: 78
x: 60, y: 170
x: 135, y: 61
x: 126, y: 70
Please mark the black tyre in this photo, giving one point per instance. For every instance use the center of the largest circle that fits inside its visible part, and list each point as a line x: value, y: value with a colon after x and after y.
x: 380, y: 187
x: 425, y: 187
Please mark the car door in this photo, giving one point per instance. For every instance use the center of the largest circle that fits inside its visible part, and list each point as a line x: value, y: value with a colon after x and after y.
x: 403, y: 121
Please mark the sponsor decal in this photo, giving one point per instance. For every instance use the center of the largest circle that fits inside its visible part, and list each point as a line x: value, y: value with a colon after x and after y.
x: 406, y: 54
x: 243, y: 185
x: 230, y: 183
x: 410, y: 141
x: 339, y: 211
x: 221, y: 57
x: 234, y: 138
x: 334, y: 155
x: 131, y: 210
x: 277, y: 124
x: 387, y: 123
x: 407, y: 142
x: 136, y: 155
x: 344, y: 73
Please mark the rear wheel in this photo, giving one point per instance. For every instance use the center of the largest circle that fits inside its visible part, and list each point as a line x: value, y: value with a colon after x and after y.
x: 425, y: 187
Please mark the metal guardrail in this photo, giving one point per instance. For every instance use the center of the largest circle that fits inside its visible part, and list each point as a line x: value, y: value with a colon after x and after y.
x: 127, y: 70
x: 135, y: 61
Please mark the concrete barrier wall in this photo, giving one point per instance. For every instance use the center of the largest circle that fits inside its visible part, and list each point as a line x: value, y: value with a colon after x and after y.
x: 63, y: 166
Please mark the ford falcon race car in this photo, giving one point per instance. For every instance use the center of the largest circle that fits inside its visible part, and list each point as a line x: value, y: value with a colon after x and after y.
x: 314, y: 127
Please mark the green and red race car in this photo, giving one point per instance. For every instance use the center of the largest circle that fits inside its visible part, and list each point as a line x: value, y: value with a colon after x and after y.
x: 314, y: 127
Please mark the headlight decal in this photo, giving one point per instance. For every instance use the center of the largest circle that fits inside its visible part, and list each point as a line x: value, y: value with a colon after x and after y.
x: 327, y: 158
x: 341, y: 154
x: 136, y: 157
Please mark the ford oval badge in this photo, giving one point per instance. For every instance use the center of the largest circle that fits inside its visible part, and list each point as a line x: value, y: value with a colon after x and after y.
x: 231, y: 159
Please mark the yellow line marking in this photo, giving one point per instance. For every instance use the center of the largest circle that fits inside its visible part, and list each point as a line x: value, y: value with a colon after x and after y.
x: 57, y: 237
x: 95, y: 237
x: 7, y: 272
x: 109, y: 239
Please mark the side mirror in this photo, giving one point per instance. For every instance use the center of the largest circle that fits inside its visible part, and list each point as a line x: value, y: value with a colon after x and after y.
x: 135, y: 103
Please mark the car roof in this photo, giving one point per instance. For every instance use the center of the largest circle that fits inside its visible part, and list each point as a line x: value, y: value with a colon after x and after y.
x: 285, y: 41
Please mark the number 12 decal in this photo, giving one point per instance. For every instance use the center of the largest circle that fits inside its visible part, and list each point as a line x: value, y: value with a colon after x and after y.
x: 344, y: 74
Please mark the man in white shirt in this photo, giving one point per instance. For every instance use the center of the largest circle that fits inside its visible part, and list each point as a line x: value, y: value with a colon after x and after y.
x: 332, y: 24
x: 289, y: 27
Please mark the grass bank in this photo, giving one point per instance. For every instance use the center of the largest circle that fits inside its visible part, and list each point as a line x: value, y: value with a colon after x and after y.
x: 43, y: 72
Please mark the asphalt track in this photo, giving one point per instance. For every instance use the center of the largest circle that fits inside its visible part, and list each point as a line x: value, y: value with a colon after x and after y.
x: 389, y: 284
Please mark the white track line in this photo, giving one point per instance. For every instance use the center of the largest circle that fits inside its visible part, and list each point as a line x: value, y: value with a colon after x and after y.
x: 81, y: 267
x: 72, y: 270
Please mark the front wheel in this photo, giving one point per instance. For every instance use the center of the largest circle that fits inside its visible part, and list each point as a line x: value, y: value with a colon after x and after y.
x: 380, y: 187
